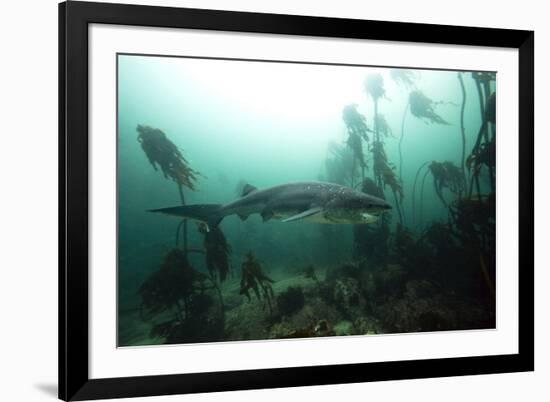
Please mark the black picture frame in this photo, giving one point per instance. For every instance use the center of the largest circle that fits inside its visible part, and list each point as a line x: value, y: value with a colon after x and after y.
x: 74, y: 18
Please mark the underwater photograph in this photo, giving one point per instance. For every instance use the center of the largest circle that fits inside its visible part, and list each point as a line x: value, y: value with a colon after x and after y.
x: 273, y: 200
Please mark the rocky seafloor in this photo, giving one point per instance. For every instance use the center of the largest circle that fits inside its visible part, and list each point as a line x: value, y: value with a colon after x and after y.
x: 348, y: 300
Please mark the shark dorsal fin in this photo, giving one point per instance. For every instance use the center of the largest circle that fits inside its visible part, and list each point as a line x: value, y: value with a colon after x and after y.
x: 247, y: 189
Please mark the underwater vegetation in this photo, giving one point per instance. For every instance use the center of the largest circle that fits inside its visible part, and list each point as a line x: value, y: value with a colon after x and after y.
x: 181, y: 293
x: 404, y: 77
x: 217, y: 252
x: 484, y: 150
x: 253, y: 278
x: 374, y: 86
x: 423, y: 108
x: 446, y: 175
x: 427, y: 265
x: 165, y: 154
x: 383, y: 126
x: 357, y: 132
x: 340, y: 164
x: 383, y: 170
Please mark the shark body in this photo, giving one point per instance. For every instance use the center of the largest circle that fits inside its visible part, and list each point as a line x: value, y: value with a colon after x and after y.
x: 318, y: 202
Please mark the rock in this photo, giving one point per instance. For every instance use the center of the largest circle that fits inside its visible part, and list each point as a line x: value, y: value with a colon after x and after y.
x: 346, y: 292
x: 343, y: 328
x: 366, y: 326
x: 291, y: 300
x: 344, y: 271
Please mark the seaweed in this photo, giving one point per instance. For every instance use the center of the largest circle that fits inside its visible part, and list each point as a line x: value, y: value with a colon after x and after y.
x: 484, y: 151
x: 176, y: 289
x: 168, y: 287
x: 473, y: 222
x: 404, y: 77
x: 462, y: 128
x: 383, y: 171
x: 410, y: 253
x: 217, y: 252
x: 446, y: 175
x: 383, y: 126
x: 414, y: 190
x: 355, y: 122
x: 374, y: 86
x: 253, y: 278
x: 164, y: 153
x: 340, y: 164
x: 357, y: 132
x: 423, y: 107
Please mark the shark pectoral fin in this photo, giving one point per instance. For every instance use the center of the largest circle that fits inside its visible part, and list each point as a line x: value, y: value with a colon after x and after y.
x: 267, y: 214
x: 368, y: 218
x: 305, y: 214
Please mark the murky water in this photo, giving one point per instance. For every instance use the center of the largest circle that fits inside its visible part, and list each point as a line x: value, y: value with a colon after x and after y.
x: 197, y: 131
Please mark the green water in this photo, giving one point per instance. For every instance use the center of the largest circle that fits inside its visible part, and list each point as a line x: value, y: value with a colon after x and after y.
x: 262, y: 123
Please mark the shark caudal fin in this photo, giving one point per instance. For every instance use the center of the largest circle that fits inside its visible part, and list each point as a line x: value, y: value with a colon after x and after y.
x: 208, y: 213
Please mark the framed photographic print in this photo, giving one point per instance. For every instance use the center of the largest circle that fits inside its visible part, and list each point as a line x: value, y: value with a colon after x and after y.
x: 258, y: 200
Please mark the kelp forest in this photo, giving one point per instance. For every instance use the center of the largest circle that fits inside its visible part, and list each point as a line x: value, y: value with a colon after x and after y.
x: 428, y: 264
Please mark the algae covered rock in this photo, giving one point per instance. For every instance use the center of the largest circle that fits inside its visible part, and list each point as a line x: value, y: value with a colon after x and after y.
x: 286, y: 330
x: 346, y: 292
x: 367, y: 326
x: 343, y: 328
x: 291, y: 300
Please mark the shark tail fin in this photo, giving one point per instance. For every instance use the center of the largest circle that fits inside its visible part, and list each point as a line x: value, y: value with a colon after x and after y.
x: 209, y: 213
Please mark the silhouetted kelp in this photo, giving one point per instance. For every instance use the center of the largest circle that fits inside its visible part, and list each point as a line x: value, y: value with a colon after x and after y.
x: 357, y: 131
x: 374, y: 86
x: 164, y: 153
x: 404, y: 77
x: 383, y: 126
x: 473, y: 221
x: 445, y: 175
x: 422, y: 108
x: 383, y: 170
x: 483, y: 152
x: 217, y: 252
x: 253, y: 278
x: 340, y: 164
x: 177, y: 293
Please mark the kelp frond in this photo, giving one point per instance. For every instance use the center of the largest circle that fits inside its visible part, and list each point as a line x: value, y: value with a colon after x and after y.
x: 164, y: 153
x: 422, y: 107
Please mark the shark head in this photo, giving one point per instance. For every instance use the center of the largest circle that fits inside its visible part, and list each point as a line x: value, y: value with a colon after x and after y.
x: 355, y: 208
